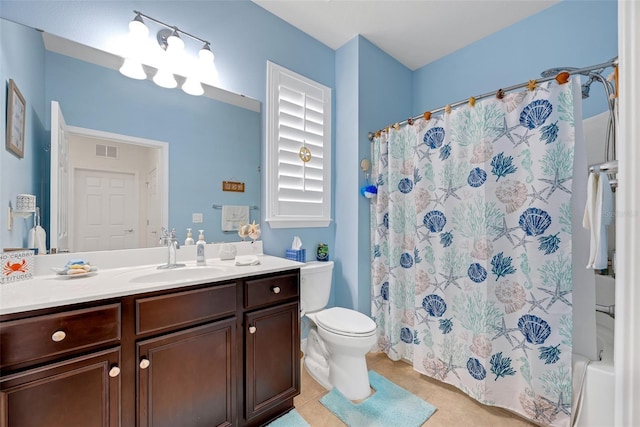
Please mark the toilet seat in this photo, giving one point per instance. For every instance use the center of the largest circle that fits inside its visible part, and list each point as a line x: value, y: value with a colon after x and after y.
x: 345, y: 322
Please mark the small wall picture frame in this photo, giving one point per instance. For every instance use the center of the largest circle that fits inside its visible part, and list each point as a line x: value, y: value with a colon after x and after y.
x: 16, y: 115
x: 238, y: 187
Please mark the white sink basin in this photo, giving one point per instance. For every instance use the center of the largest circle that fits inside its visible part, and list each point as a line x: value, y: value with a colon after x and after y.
x: 179, y: 274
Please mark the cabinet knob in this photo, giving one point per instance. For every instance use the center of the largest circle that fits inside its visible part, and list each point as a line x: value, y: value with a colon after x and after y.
x: 58, y: 336
x: 144, y: 363
x: 252, y: 329
x: 114, y: 372
x: 276, y: 289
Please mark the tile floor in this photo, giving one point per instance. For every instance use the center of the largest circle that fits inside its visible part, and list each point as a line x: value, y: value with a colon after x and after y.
x: 454, y: 407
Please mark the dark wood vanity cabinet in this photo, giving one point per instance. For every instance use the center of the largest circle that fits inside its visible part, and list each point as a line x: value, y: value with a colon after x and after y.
x: 272, y: 369
x: 221, y: 354
x: 187, y: 378
x: 61, y: 368
x: 81, y: 391
x: 271, y: 342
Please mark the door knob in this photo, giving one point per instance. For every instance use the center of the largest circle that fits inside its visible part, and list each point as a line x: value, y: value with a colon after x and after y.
x: 252, y: 329
x: 58, y: 336
x: 144, y: 363
x: 275, y: 289
x: 114, y: 372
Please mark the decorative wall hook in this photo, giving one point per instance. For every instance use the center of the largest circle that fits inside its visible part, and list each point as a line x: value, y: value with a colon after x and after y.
x: 368, y: 190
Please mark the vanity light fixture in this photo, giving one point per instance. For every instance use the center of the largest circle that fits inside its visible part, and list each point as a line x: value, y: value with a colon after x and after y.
x: 175, y: 45
x: 137, y: 28
x: 192, y: 86
x: 133, y: 68
x: 138, y: 33
x: 164, y: 78
x: 170, y: 58
x: 205, y: 54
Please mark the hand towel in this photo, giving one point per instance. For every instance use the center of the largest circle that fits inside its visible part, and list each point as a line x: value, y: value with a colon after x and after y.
x: 233, y: 216
x: 598, y: 215
x: 589, y: 212
x: 604, y: 205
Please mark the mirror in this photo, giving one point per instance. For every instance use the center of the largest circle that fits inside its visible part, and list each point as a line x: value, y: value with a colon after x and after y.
x: 209, y: 140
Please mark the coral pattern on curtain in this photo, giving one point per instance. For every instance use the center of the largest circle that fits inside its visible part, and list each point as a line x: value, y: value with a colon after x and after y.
x: 471, y: 249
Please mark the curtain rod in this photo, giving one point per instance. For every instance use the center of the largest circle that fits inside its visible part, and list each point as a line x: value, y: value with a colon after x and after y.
x: 611, y: 63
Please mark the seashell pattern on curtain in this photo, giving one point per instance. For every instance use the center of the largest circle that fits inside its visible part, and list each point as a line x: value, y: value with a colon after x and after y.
x: 471, y: 249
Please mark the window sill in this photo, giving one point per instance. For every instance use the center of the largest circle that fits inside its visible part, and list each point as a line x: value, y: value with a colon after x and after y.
x: 298, y: 222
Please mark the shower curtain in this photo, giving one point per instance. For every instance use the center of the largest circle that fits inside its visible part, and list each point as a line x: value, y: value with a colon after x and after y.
x: 471, y: 249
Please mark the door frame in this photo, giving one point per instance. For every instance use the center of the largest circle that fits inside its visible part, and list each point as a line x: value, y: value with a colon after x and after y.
x: 133, y: 140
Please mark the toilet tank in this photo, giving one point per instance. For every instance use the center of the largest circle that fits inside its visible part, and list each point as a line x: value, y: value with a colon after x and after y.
x: 315, y: 285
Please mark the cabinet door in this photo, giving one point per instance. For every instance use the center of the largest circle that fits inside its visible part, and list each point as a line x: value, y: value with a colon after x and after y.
x: 188, y: 378
x: 83, y: 391
x: 272, y: 362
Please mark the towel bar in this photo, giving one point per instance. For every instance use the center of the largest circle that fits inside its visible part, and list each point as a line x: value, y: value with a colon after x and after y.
x: 609, y: 310
x: 253, y: 208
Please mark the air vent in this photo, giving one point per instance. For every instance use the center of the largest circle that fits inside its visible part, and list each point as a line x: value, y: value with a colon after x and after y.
x: 106, y: 151
x: 112, y: 152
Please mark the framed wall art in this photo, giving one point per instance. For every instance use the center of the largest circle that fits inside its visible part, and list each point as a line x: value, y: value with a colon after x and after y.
x: 16, y: 114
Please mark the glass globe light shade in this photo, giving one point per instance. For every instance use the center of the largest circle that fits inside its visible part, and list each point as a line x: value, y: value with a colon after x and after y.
x: 174, y: 44
x: 192, y: 86
x: 133, y: 69
x: 137, y: 28
x: 164, y: 78
x: 206, y: 55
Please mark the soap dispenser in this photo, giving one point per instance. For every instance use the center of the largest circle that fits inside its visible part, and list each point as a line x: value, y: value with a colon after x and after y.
x: 200, y: 259
x: 189, y: 239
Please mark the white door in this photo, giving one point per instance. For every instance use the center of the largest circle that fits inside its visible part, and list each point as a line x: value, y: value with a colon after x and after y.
x: 106, y: 211
x: 154, y: 209
x: 59, y: 186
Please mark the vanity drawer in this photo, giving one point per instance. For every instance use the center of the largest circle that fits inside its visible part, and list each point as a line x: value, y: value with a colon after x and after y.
x: 184, y: 308
x: 265, y: 291
x: 47, y: 336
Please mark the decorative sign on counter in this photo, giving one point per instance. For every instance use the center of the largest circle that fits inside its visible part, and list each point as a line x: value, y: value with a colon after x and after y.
x: 233, y: 186
x: 16, y: 266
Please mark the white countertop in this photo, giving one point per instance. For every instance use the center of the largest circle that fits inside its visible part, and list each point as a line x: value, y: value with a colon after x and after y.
x: 50, y: 290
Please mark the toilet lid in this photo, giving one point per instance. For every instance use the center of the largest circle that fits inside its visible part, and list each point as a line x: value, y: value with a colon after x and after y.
x: 345, y: 322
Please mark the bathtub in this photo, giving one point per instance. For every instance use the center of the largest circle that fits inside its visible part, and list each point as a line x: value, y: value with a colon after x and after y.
x: 598, y: 404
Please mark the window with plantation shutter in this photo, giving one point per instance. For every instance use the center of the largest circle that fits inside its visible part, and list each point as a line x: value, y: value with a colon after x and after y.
x: 298, y: 150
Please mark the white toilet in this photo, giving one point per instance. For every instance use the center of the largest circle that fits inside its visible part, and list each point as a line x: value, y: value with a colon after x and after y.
x: 338, y: 338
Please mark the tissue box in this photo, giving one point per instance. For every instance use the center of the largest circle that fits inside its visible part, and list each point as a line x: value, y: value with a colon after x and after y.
x: 299, y: 255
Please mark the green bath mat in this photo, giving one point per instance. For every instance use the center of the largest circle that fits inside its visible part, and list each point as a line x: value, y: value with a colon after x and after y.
x: 290, y: 419
x: 390, y: 405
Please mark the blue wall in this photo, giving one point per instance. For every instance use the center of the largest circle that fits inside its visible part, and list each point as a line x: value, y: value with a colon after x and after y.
x: 346, y: 159
x: 21, y: 59
x: 569, y: 34
x: 365, y: 75
x: 386, y: 93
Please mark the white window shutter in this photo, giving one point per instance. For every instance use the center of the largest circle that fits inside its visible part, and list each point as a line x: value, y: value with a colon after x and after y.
x: 298, y: 114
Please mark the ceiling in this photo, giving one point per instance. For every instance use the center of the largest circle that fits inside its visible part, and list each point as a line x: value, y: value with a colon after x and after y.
x: 415, y: 32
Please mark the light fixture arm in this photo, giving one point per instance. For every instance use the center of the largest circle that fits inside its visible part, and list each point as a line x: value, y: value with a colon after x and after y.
x: 171, y: 27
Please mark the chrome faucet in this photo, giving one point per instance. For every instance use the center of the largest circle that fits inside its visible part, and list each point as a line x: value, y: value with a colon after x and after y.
x: 169, y: 239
